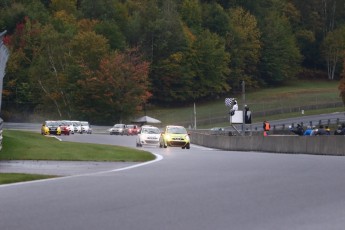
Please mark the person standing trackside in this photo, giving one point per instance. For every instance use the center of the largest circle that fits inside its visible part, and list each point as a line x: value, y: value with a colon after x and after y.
x: 340, y: 130
x: 266, y: 127
x: 234, y: 108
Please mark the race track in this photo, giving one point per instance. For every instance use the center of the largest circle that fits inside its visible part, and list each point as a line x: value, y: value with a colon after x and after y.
x: 200, y: 188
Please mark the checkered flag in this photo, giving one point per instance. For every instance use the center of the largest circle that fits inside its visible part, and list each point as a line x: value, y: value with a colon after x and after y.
x: 229, y: 102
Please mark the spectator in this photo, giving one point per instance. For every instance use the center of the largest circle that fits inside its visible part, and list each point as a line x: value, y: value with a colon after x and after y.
x: 313, y: 131
x: 266, y: 127
x: 328, y: 130
x: 338, y: 131
x: 321, y: 131
x: 308, y: 131
x: 298, y: 130
x: 248, y: 115
x: 234, y: 108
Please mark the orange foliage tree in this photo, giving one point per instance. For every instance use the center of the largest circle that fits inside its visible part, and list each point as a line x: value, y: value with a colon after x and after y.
x: 117, y: 90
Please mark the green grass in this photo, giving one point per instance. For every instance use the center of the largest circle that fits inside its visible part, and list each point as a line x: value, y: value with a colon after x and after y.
x: 278, y: 117
x: 8, y: 178
x: 21, y: 145
x: 297, y: 94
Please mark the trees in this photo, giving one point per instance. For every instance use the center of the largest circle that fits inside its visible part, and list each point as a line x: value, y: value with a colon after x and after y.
x: 100, y: 9
x: 111, y: 31
x: 175, y: 83
x: 334, y: 47
x: 191, y: 14
x: 48, y: 72
x: 194, y: 49
x: 116, y: 90
x: 317, y: 19
x: 24, y: 45
x: 215, y: 19
x: 210, y: 66
x: 280, y: 59
x: 199, y: 72
x: 166, y: 46
x: 341, y: 86
x: 88, y: 48
x: 244, y: 45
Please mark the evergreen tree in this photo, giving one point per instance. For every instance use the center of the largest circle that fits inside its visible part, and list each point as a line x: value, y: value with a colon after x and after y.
x: 280, y: 60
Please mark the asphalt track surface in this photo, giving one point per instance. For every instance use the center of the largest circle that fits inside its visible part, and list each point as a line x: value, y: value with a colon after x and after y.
x: 200, y: 188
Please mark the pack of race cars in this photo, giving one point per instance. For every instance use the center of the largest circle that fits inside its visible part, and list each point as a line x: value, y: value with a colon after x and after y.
x: 171, y: 135
x: 65, y: 127
x: 146, y: 135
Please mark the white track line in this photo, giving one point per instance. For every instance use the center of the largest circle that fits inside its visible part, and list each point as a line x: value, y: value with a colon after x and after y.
x: 201, y: 147
x: 158, y: 158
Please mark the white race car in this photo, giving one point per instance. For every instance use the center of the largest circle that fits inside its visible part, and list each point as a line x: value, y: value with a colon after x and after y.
x: 148, y: 135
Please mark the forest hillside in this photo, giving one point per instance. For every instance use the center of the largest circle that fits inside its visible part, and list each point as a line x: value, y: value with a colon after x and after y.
x: 108, y: 60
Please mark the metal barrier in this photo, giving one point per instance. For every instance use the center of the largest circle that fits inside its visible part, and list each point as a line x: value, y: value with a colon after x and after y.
x: 312, y: 145
x: 4, y: 54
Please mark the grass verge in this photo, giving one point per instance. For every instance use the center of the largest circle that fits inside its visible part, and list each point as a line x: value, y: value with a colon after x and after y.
x: 298, y: 93
x: 8, y: 178
x: 21, y: 145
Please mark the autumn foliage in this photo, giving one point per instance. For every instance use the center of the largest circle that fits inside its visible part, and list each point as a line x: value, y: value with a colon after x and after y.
x: 102, y: 60
x: 119, y: 87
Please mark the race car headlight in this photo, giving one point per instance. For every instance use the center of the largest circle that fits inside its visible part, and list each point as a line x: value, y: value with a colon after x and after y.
x: 167, y: 137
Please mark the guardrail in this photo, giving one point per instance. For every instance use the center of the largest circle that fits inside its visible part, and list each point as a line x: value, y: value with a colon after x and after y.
x: 216, y: 118
x: 316, y: 145
x: 4, y: 54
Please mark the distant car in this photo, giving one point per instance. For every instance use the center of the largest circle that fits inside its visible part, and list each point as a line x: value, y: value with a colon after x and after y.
x: 70, y: 125
x: 148, y: 135
x: 174, y: 136
x: 131, y: 130
x: 217, y: 129
x: 85, y: 127
x: 44, y: 129
x: 117, y: 129
x: 77, y: 126
x: 64, y: 127
x: 51, y: 127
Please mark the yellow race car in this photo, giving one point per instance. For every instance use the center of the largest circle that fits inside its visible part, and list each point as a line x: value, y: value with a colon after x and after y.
x: 174, y: 136
x: 50, y: 127
x: 44, y: 129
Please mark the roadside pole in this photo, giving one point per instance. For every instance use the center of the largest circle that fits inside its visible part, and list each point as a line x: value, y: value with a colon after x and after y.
x: 194, y: 117
x: 244, y: 107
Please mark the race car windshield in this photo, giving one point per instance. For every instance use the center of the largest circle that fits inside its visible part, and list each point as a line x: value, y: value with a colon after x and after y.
x: 177, y: 130
x: 52, y: 123
x: 150, y: 131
